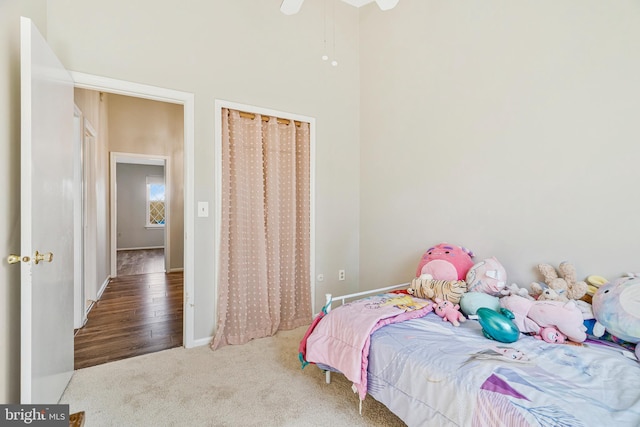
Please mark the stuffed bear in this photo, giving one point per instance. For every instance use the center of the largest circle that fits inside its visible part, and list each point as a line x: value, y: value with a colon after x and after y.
x: 564, y: 284
x: 446, y: 262
x: 427, y: 287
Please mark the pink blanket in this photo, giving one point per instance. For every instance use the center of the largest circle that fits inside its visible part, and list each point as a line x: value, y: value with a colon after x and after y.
x: 341, y: 338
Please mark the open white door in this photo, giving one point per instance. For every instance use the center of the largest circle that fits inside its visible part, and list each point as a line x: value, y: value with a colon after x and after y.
x: 46, y: 221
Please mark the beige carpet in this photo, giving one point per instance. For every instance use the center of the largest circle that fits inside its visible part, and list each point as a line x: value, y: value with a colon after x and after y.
x: 256, y: 384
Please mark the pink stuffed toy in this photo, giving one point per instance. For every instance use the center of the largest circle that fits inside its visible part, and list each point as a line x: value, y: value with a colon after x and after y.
x: 532, y: 316
x: 551, y: 335
x: 446, y: 262
x: 448, y: 311
x: 488, y: 276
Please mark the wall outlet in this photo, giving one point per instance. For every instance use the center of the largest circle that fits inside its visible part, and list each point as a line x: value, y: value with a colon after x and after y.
x: 341, y: 275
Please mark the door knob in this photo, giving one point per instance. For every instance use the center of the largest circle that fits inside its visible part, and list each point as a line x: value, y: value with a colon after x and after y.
x: 14, y: 259
x: 37, y: 257
x: 48, y: 257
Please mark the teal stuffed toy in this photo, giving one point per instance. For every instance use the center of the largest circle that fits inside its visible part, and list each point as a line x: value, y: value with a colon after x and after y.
x: 498, y: 325
x: 616, y: 307
x: 470, y: 302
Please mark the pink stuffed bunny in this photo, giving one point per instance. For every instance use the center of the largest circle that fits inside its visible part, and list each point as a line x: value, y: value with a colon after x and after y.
x: 448, y: 311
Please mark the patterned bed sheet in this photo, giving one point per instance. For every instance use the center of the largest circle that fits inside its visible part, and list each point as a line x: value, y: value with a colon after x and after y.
x: 430, y: 373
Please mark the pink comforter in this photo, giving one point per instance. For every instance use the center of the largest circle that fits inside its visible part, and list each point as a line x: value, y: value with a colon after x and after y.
x: 341, y: 338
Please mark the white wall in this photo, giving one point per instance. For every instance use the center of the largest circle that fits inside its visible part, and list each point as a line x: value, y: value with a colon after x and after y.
x: 243, y: 51
x: 131, y: 182
x: 510, y: 128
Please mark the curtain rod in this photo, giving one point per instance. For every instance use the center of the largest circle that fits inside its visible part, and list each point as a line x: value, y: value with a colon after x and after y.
x: 252, y: 116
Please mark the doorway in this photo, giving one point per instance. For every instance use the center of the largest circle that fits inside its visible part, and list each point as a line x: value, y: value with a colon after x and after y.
x: 136, y: 313
x: 141, y: 220
x: 184, y: 275
x: 139, y: 313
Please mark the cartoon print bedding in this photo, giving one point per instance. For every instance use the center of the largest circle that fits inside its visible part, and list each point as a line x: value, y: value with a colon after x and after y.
x: 429, y: 372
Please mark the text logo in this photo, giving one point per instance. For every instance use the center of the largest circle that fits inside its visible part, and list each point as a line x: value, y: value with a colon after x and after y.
x: 34, y: 415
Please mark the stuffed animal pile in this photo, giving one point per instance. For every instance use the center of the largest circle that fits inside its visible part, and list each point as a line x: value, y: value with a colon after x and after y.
x: 557, y: 309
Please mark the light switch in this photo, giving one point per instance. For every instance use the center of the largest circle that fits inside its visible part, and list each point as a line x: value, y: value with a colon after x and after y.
x: 203, y: 209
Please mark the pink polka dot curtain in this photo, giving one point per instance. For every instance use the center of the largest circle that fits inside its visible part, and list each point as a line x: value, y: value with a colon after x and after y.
x: 264, y: 273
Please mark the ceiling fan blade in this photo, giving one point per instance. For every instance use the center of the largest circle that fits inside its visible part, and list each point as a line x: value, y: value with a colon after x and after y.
x: 291, y: 7
x: 386, y: 4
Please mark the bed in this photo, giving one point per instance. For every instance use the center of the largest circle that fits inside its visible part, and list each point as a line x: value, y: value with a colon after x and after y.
x: 429, y: 372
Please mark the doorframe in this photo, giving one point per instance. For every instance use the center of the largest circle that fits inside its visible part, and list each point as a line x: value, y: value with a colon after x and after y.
x: 79, y: 317
x: 138, y: 159
x: 89, y: 209
x: 187, y: 100
x: 84, y: 269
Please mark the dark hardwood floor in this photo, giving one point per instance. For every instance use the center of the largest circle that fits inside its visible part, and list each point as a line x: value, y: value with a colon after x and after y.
x: 140, y: 261
x: 137, y: 314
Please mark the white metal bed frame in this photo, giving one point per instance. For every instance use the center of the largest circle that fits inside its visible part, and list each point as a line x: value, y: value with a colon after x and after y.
x: 329, y: 300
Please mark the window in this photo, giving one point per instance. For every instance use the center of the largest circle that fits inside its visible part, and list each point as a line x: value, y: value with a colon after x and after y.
x: 155, y: 201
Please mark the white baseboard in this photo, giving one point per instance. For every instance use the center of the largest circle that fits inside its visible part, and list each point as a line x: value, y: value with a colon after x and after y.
x: 175, y: 270
x: 103, y: 287
x: 202, y: 341
x: 140, y: 248
x: 98, y: 296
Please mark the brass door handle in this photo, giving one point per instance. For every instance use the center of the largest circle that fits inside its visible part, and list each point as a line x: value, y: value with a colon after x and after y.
x: 14, y: 259
x: 37, y: 257
x: 48, y: 257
